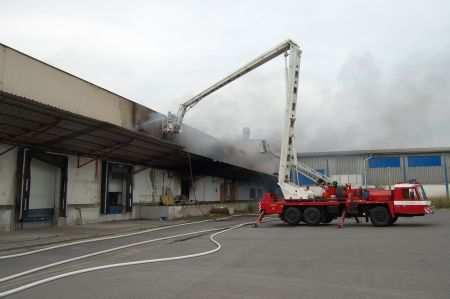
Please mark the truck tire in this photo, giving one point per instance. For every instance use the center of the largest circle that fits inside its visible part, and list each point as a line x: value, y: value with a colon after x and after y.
x: 326, y: 218
x: 312, y: 216
x: 292, y: 215
x: 393, y: 220
x: 380, y: 216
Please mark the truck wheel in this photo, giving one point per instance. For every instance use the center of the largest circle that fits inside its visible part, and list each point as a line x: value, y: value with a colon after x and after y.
x: 326, y: 218
x: 312, y: 216
x: 380, y: 216
x: 393, y: 220
x: 292, y: 215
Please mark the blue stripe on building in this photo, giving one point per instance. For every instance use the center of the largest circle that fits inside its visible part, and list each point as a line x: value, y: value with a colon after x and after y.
x: 424, y: 161
x: 384, y: 162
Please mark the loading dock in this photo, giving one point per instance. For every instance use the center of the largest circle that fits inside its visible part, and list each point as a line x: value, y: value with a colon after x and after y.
x: 73, y: 169
x: 117, y: 188
x: 41, y: 186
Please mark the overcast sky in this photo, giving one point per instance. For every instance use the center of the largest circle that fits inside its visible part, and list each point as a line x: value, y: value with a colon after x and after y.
x: 375, y: 74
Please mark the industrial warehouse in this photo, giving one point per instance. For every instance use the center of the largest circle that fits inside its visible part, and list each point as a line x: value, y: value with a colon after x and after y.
x: 384, y: 168
x: 71, y: 154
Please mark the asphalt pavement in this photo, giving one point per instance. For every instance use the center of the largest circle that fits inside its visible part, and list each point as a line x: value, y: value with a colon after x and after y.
x: 408, y: 260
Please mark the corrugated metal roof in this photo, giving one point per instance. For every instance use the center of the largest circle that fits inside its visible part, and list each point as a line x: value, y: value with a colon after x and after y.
x: 391, y: 151
x: 24, y: 122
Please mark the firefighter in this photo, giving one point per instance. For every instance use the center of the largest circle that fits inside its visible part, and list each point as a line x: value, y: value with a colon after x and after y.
x: 260, y: 217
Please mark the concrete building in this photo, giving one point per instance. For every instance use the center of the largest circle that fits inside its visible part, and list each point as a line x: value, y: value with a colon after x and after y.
x: 382, y: 168
x: 72, y: 152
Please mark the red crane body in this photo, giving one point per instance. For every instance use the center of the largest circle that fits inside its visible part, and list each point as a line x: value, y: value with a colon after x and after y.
x: 382, y: 207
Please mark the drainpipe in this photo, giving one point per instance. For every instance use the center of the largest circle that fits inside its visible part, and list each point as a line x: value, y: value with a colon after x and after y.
x: 446, y: 177
x: 366, y: 166
x: 389, y: 177
x: 404, y: 168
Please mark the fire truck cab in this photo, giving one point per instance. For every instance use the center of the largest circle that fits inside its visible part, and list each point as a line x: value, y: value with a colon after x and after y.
x: 410, y: 199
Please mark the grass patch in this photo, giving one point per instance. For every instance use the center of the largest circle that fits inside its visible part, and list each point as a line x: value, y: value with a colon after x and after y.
x: 440, y: 203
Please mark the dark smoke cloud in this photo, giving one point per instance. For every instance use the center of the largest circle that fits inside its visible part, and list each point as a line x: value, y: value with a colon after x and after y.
x: 374, y: 107
x: 369, y: 105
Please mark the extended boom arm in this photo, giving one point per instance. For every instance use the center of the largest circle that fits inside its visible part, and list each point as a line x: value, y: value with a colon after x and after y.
x: 174, y: 122
x: 288, y: 158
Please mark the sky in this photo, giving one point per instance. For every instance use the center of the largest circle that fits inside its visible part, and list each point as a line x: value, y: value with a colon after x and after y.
x: 374, y: 74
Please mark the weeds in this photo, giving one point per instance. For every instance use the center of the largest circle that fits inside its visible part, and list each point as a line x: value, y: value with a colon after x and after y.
x: 440, y: 203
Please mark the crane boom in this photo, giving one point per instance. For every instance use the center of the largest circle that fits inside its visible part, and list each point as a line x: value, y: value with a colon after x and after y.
x: 287, y: 174
x: 289, y: 165
x: 313, y: 174
x: 174, y: 122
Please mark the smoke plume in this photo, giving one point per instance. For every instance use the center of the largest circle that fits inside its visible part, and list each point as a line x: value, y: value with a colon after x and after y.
x: 369, y: 105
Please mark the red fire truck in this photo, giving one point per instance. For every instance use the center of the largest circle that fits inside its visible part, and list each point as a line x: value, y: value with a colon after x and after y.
x: 382, y: 207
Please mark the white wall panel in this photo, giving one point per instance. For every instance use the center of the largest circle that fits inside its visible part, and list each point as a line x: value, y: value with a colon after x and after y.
x: 83, y: 186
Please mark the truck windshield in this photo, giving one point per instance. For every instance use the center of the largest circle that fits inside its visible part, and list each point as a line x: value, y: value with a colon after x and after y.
x: 422, y: 194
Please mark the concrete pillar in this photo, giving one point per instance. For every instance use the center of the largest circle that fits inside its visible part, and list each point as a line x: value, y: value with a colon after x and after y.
x: 8, y: 161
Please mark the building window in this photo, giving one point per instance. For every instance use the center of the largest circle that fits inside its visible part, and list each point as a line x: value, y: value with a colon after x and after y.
x: 424, y: 161
x: 252, y: 193
x: 384, y: 162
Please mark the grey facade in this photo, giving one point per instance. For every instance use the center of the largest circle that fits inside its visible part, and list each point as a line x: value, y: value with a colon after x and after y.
x: 381, y: 168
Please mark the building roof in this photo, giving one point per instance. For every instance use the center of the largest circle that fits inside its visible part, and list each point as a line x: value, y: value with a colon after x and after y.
x: 24, y: 122
x: 27, y: 122
x: 391, y: 151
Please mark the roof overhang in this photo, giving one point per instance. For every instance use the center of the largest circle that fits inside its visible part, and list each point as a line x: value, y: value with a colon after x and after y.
x: 29, y: 123
x: 25, y: 122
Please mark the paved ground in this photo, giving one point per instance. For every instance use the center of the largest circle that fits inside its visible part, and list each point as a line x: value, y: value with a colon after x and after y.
x: 408, y: 260
x: 37, y: 237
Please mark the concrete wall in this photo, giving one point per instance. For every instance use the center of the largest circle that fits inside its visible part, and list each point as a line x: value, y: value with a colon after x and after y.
x: 244, y: 191
x: 7, y: 187
x: 25, y: 76
x: 206, y: 189
x: 84, y: 187
x: 177, y: 212
x: 84, y: 204
x: 7, y: 176
x: 83, y: 191
x: 151, y: 184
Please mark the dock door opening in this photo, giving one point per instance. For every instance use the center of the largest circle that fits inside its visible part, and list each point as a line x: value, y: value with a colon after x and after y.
x: 117, y: 188
x: 41, y: 186
x: 228, y: 191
